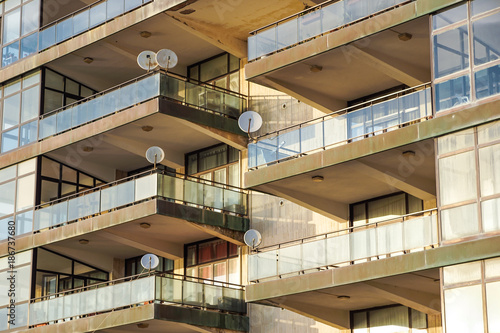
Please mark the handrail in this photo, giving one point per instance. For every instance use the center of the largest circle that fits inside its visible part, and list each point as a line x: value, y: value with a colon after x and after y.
x: 140, y: 175
x: 126, y: 83
x: 136, y: 277
x: 346, y: 230
x: 345, y: 110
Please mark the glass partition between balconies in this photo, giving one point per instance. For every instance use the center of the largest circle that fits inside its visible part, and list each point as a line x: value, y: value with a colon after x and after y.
x: 174, y: 187
x: 313, y: 22
x: 344, y: 126
x: 137, y: 91
x: 68, y: 27
x: 377, y: 240
x: 137, y: 291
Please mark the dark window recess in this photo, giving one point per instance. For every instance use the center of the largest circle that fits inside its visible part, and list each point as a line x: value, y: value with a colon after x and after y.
x: 388, y: 316
x: 210, y: 158
x: 133, y: 266
x: 160, y: 167
x: 384, y: 208
x: 221, y: 71
x: 209, y: 251
x: 377, y: 95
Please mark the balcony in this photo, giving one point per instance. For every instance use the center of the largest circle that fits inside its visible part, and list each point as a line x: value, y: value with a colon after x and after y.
x: 67, y: 27
x: 139, y: 90
x: 372, y: 241
x: 310, y: 23
x: 211, y: 298
x: 345, y: 126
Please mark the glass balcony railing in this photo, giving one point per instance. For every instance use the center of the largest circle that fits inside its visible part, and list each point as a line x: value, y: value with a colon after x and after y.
x: 396, y: 236
x: 178, y: 188
x: 68, y: 27
x: 137, y: 291
x: 344, y: 126
x: 146, y: 87
x: 312, y: 22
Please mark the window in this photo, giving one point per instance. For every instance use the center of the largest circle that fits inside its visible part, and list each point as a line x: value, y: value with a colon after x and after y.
x: 58, y: 180
x: 20, y: 23
x: 221, y: 71
x: 19, y: 105
x: 384, y: 208
x: 56, y: 273
x: 455, y: 42
x: 214, y: 259
x: 391, y: 319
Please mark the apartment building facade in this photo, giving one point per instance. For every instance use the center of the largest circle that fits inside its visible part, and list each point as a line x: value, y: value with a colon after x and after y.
x: 374, y: 179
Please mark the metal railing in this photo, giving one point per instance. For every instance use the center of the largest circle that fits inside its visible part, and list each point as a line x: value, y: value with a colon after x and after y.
x: 137, y: 290
x: 152, y: 184
x: 312, y: 22
x: 382, y: 238
x: 73, y: 24
x: 139, y: 90
x: 347, y: 125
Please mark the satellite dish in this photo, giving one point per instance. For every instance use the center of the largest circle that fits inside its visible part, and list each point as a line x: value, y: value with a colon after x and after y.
x: 250, y: 121
x: 150, y: 261
x: 155, y: 155
x: 252, y: 238
x: 147, y: 60
x: 166, y: 58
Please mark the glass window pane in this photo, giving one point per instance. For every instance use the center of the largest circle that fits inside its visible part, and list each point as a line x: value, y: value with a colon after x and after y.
x: 7, y: 173
x: 64, y: 29
x: 492, y: 268
x: 28, y: 133
x: 25, y: 192
x: 214, y: 68
x: 54, y: 80
x: 452, y: 93
x: 389, y: 320
x: 457, y: 178
x: 31, y: 79
x: 10, y: 54
x: 479, y: 6
x: 490, y: 211
x: 462, y: 273
x: 449, y: 16
x: 489, y: 169
x: 11, y: 26
x: 26, y: 167
x: 114, y: 8
x: 456, y: 141
x: 30, y: 104
x: 486, y: 40
x: 131, y: 4
x: 29, y: 45
x: 47, y: 37
x: 487, y: 82
x: 24, y: 223
x: 53, y: 100
x: 386, y: 208
x: 459, y: 222
x: 12, y: 87
x: 80, y: 22
x: 7, y: 198
x: 10, y: 140
x: 493, y: 306
x: 31, y: 17
x: 97, y: 14
x: 11, y: 109
x: 464, y: 309
x: 451, y: 51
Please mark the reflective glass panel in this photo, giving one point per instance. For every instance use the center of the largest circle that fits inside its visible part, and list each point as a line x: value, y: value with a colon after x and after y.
x: 452, y: 93
x: 487, y: 82
x: 451, y: 51
x: 486, y: 39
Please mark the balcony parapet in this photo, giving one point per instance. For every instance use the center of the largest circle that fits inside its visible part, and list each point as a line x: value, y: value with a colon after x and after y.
x: 372, y: 241
x: 172, y: 187
x: 312, y: 22
x: 351, y: 124
x: 138, y: 290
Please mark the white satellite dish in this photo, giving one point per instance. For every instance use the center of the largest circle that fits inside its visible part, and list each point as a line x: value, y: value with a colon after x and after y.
x: 155, y: 155
x: 250, y: 121
x: 166, y: 58
x: 150, y: 261
x: 147, y: 60
x: 252, y: 238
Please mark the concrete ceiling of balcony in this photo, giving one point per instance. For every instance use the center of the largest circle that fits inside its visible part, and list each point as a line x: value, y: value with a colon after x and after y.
x: 166, y: 237
x: 365, y: 178
x: 419, y: 290
x: 124, y: 148
x: 370, y: 65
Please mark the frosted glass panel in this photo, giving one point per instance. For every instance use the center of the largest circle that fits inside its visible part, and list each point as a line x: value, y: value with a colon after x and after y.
x: 337, y: 250
x: 420, y: 232
x: 489, y: 169
x: 389, y: 238
x: 491, y: 215
x: 172, y: 188
x: 314, y: 254
x: 493, y: 306
x: 464, y: 309
x: 262, y: 265
x: 146, y: 187
x: 459, y: 222
x: 456, y: 141
x: 457, y: 178
x: 492, y: 267
x: 489, y: 132
x: 363, y: 244
x: 105, y: 296
x: 290, y: 259
x: 462, y: 273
